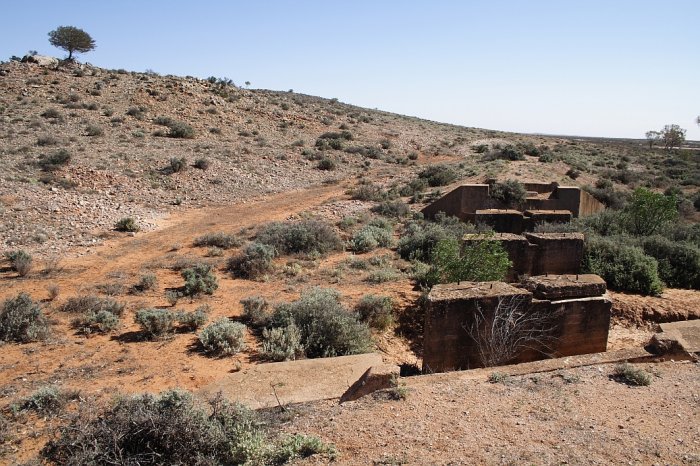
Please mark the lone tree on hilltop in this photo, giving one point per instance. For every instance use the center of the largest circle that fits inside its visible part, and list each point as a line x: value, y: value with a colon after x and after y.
x: 71, y: 39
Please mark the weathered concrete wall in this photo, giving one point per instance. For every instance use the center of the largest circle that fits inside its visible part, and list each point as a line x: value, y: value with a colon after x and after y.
x: 589, y: 205
x: 446, y: 344
x: 466, y: 200
x: 556, y: 253
x: 501, y: 220
x: 539, y: 253
x: 575, y: 325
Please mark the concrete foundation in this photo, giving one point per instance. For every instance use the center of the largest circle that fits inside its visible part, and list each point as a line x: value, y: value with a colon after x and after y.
x: 557, y: 316
x: 539, y: 253
x: 545, y: 202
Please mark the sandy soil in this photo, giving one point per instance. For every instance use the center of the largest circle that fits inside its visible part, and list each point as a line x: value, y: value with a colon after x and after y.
x: 578, y: 416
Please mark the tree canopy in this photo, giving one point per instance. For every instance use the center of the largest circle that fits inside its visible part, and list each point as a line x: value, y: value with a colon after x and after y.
x: 71, y: 39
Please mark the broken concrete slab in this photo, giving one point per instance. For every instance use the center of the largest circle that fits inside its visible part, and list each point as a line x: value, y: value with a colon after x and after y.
x: 686, y: 331
x: 376, y: 378
x: 558, y: 287
x: 267, y: 385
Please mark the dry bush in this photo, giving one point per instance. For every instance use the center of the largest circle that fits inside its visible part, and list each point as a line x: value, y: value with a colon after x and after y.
x: 502, y: 334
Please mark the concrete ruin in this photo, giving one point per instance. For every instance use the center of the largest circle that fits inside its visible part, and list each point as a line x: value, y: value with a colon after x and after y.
x: 479, y: 324
x: 544, y: 202
x: 538, y: 253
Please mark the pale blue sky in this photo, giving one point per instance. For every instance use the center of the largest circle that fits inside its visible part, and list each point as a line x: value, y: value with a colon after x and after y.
x: 594, y: 68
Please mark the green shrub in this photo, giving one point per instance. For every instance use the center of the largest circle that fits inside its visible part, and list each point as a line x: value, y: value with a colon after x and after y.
x: 256, y: 311
x: 605, y: 223
x: 679, y: 262
x: 478, y: 261
x: 376, y: 311
x: 100, y: 321
x: 532, y: 150
x: 420, y: 237
x: 199, y: 279
x: 439, y: 175
x: 327, y: 328
x: 136, y: 112
x: 54, y: 161
x: 20, y: 261
x: 392, y: 209
x: 202, y: 164
x: 22, y: 321
x: 511, y: 192
x: 48, y: 400
x: 306, y: 236
x: 178, y: 164
x: 220, y: 240
x: 648, y: 212
x: 511, y: 152
x: 47, y: 140
x: 368, y: 192
x: 326, y: 164
x: 605, y: 193
x: 156, y: 323
x: 180, y: 130
x: 282, y: 343
x: 413, y: 187
x: 254, y: 261
x: 91, y: 304
x: 223, y: 337
x: 148, y: 281
x: 171, y: 428
x: 191, y: 321
x: 546, y: 158
x: 301, y: 446
x: 94, y: 130
x: 383, y: 275
x: 626, y: 373
x: 623, y: 267
x: 53, y: 114
x: 127, y: 224
x: 370, y: 237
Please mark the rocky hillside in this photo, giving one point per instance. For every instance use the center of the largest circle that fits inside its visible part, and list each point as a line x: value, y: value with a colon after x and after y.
x: 81, y: 147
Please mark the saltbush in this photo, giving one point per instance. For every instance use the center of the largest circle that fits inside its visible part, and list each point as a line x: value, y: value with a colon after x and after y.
x: 439, y: 175
x: 376, y: 311
x: 370, y: 237
x: 199, y: 279
x: 127, y: 224
x: 256, y: 311
x: 420, y: 236
x: 178, y: 164
x: 282, y: 343
x: 191, y: 321
x: 156, y: 323
x: 173, y: 428
x: 327, y: 328
x: 47, y: 400
x: 254, y: 261
x: 20, y: 261
x: 223, y: 337
x: 178, y: 129
x: 22, y: 321
x: 55, y: 160
x: 220, y: 240
x: 306, y: 236
x: 510, y: 192
x: 392, y: 209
